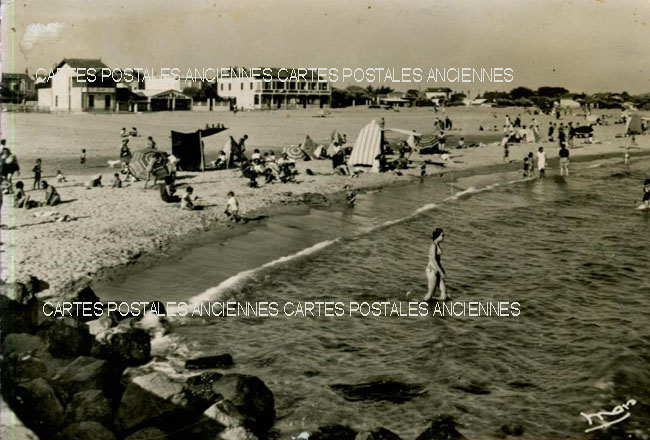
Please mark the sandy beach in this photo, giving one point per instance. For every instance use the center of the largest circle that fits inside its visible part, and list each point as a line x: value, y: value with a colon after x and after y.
x: 114, y: 227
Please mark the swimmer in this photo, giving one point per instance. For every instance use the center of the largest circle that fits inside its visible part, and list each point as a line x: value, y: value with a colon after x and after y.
x: 435, y: 273
x: 646, y: 193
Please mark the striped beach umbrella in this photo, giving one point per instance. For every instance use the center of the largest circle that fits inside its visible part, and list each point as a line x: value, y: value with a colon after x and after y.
x: 142, y: 159
x: 294, y: 152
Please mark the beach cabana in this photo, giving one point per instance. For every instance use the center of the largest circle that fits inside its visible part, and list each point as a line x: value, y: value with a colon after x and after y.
x: 189, y: 148
x: 634, y: 124
x: 142, y: 159
x: 367, y: 146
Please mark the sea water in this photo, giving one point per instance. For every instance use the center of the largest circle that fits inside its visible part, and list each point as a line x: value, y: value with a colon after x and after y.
x: 572, y: 252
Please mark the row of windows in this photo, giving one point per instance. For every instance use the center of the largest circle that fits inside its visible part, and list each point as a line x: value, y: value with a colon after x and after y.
x: 279, y: 85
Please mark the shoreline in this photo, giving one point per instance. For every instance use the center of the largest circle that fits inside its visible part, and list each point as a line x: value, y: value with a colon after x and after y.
x: 158, y: 250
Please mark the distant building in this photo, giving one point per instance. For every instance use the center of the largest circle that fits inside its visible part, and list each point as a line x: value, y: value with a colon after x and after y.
x: 438, y: 94
x: 275, y: 90
x: 394, y: 99
x: 16, y: 87
x: 67, y: 93
x: 170, y: 83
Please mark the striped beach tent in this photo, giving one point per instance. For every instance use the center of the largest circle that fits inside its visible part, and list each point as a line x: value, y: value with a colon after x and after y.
x: 367, y: 146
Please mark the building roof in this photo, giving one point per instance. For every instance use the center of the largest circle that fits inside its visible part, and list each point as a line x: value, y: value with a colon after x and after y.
x: 154, y: 93
x: 439, y: 89
x: 82, y: 63
x: 16, y: 76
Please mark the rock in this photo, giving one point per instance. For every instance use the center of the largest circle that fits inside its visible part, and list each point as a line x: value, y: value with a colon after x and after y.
x: 378, y: 434
x: 314, y: 199
x: 85, y: 431
x: 443, y: 427
x: 69, y: 338
x: 100, y: 325
x: 147, y: 434
x: 126, y: 346
x: 382, y: 390
x: 39, y: 408
x: 198, y: 389
x: 251, y: 397
x: 238, y: 433
x: 86, y: 294
x: 204, y: 362
x: 25, y: 368
x: 11, y: 427
x: 152, y: 400
x: 334, y: 432
x: 90, y: 405
x: 20, y: 312
x: 33, y: 285
x: 21, y: 344
x: 226, y: 414
x: 86, y: 373
x: 513, y: 430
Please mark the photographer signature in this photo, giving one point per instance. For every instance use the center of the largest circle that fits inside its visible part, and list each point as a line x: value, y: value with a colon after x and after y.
x: 620, y: 409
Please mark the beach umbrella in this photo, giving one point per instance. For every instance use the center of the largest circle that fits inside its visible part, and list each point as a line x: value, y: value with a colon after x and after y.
x: 142, y: 159
x: 294, y: 152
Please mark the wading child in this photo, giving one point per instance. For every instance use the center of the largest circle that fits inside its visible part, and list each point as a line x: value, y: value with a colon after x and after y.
x: 350, y: 196
x: 232, y: 207
x: 82, y: 158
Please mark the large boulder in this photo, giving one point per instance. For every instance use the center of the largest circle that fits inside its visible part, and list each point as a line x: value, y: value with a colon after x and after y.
x: 334, y: 432
x: 148, y: 433
x: 90, y: 405
x: 124, y: 345
x: 378, y: 434
x: 251, y: 397
x: 85, y: 431
x: 213, y: 361
x: 21, y: 344
x: 69, y: 338
x: 152, y: 400
x: 38, y: 406
x: 86, y: 373
x: 19, y: 309
x: 442, y: 427
x: 226, y: 414
x: 198, y: 390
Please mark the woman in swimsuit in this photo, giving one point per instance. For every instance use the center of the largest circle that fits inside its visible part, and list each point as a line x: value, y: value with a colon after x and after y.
x: 435, y: 273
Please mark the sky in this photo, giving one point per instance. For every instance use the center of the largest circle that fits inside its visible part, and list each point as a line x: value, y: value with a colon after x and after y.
x: 585, y: 46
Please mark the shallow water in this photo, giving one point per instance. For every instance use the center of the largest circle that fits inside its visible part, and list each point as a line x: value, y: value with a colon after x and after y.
x: 573, y: 253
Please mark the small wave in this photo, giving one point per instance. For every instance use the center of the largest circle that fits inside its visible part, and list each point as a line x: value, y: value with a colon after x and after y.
x: 237, y: 280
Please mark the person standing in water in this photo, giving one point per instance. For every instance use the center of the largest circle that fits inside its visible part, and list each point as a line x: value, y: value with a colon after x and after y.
x: 564, y: 161
x: 541, y: 162
x: 435, y: 273
x: 646, y: 193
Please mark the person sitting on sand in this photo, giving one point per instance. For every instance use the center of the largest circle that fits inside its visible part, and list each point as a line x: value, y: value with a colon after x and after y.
x: 435, y: 273
x: 167, y: 191
x: 52, y: 197
x: 256, y: 155
x: 134, y: 132
x: 221, y: 162
x: 95, y: 182
x: 21, y: 200
x: 187, y: 201
x: 117, y: 182
x: 272, y: 157
x: 123, y: 133
x: 232, y: 207
x: 646, y: 193
x: 461, y: 143
x: 60, y: 177
x: 151, y: 143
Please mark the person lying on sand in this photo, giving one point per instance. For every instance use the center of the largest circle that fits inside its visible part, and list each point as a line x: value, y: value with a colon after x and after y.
x: 52, y: 197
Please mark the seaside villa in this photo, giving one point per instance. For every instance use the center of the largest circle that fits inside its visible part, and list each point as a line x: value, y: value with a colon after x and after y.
x: 67, y: 93
x: 272, y: 88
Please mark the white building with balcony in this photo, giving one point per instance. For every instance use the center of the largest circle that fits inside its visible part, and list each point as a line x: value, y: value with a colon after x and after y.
x: 273, y: 88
